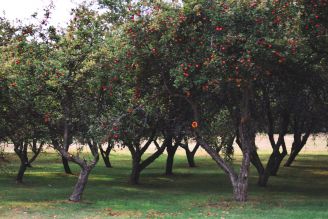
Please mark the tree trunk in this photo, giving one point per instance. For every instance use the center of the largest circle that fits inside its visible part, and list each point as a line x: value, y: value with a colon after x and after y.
x: 292, y: 157
x: 171, y: 149
x: 297, y: 147
x: 107, y: 161
x: 105, y: 154
x: 135, y: 174
x: 21, y: 151
x: 257, y: 163
x: 67, y: 140
x: 271, y: 168
x: 28, y: 164
x: 190, y: 158
x: 80, y: 185
x: 105, y: 157
x: 240, y: 185
x: 276, y: 164
x: 263, y: 179
x: 240, y: 191
x: 20, y: 148
x: 263, y: 176
x: 240, y: 188
x: 246, y: 131
x: 191, y: 154
x: 21, y: 171
x: 66, y: 166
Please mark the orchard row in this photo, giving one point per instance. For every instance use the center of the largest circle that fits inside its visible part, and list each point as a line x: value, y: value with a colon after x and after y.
x: 167, y: 74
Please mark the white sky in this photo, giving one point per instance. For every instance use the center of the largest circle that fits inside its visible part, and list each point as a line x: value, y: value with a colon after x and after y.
x: 23, y: 9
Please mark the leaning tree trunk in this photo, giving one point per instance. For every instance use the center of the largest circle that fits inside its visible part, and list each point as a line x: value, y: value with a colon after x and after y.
x: 272, y: 166
x: 106, y: 153
x: 66, y: 166
x: 106, y: 161
x: 292, y: 157
x: 263, y: 176
x: 238, y: 189
x: 86, y: 168
x: 171, y: 149
x: 297, y: 146
x: 76, y: 196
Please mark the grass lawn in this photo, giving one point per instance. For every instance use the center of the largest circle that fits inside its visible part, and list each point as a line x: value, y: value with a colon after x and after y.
x: 298, y: 192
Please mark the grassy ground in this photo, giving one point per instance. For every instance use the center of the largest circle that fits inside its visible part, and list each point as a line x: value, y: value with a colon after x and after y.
x: 298, y: 192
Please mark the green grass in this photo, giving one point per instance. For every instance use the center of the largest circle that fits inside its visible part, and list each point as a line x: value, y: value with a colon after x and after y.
x: 298, y: 192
